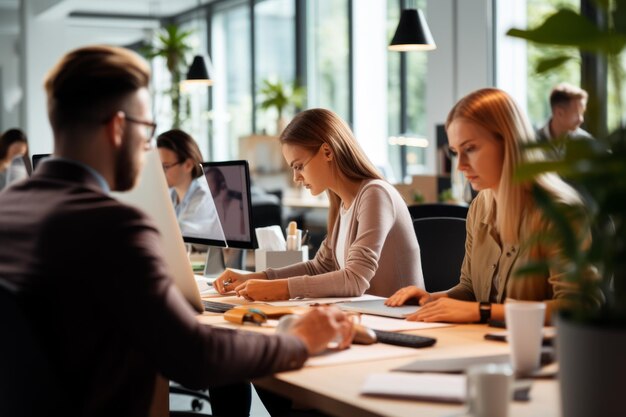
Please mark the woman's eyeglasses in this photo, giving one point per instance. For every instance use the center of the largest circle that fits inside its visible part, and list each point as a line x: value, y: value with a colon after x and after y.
x: 170, y: 165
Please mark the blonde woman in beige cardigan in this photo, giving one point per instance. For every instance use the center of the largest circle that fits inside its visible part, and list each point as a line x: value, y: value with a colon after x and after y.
x: 486, y: 131
x: 370, y: 246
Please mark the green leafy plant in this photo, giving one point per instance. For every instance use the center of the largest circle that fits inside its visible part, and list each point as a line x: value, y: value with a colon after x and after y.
x: 172, y: 44
x: 418, y: 197
x: 446, y: 195
x: 596, y: 168
x: 280, y: 96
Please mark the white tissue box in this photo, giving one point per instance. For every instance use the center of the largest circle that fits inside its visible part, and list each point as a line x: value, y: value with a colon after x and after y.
x: 264, y: 259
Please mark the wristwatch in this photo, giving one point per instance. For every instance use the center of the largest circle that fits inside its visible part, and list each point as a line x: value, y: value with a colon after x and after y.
x: 484, y: 309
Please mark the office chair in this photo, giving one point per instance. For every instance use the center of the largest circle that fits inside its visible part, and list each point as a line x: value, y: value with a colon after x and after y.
x: 442, y: 248
x: 196, y: 397
x: 27, y: 381
x: 420, y: 211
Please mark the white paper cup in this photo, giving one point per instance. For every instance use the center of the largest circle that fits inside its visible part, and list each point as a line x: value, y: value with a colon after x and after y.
x: 489, y: 390
x: 524, y: 323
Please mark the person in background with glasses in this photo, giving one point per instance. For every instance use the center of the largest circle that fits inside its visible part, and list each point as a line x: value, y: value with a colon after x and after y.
x: 370, y: 231
x: 190, y: 193
x: 96, y: 265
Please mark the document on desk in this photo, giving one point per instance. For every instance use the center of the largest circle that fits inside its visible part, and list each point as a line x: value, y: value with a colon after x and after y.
x: 361, y: 353
x: 304, y: 302
x: 395, y: 325
x: 427, y: 386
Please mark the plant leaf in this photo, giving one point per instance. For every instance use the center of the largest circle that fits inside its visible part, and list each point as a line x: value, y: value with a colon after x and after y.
x: 568, y: 28
x: 548, y: 64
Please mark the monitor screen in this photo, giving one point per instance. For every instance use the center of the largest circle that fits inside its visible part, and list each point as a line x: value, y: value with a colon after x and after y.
x: 229, y: 182
x: 37, y: 158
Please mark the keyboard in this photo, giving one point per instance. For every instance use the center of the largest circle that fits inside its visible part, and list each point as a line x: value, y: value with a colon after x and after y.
x: 404, y: 339
x: 216, y: 307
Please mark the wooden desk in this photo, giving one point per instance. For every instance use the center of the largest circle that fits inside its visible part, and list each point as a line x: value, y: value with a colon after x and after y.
x: 335, y: 389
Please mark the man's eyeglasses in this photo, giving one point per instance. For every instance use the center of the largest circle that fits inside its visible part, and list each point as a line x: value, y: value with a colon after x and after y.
x: 170, y: 165
x: 150, y: 126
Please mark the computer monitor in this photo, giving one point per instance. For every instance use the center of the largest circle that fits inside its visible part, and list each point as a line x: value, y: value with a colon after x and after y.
x: 229, y: 182
x: 151, y: 196
x: 37, y: 158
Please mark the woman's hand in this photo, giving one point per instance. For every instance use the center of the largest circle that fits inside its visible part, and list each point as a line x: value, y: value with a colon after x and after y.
x: 263, y: 290
x: 446, y: 309
x: 404, y: 294
x: 230, y: 280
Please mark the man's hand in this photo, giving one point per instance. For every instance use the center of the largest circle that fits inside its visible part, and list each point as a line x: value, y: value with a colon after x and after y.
x: 321, y: 326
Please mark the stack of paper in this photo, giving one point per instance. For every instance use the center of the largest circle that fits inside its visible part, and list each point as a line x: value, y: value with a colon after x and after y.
x: 424, y: 386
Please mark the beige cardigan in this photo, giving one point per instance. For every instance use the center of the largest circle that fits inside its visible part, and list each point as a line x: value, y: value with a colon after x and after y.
x: 382, y: 254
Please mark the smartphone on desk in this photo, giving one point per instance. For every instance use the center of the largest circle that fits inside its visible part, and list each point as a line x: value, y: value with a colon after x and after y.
x: 500, y: 336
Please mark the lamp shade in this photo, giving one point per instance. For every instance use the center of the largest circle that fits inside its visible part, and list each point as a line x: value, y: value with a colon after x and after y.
x: 412, y: 33
x: 198, y: 73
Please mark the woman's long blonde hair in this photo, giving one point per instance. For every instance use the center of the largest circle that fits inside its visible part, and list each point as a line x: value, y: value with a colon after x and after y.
x: 497, y: 112
x: 313, y: 128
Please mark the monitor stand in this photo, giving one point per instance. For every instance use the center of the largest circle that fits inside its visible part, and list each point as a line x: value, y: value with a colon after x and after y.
x: 214, y: 265
x: 217, y: 260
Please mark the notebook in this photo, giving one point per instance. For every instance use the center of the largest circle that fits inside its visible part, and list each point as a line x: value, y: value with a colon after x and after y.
x: 378, y: 308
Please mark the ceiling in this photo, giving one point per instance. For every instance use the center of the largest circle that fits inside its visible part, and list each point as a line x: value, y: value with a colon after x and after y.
x: 95, y: 12
x: 116, y: 22
x: 133, y: 7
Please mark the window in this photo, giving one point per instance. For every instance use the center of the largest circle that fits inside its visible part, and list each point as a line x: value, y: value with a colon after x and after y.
x: 540, y: 85
x: 232, y: 89
x: 407, y: 120
x: 274, y: 42
x: 328, y: 56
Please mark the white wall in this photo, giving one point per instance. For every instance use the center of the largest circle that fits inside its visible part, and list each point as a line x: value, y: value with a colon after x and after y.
x: 47, y: 36
x: 10, y: 94
x: 462, y: 61
x: 370, y: 79
x: 512, y: 64
x: 11, y: 91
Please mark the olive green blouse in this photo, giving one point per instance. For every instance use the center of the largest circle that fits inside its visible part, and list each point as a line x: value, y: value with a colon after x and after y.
x: 488, y: 271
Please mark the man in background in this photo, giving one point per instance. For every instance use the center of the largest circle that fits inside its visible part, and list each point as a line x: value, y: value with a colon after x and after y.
x: 568, y: 104
x: 87, y: 271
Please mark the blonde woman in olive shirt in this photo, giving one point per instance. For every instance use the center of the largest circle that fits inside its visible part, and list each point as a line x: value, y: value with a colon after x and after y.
x: 486, y: 131
x: 370, y: 247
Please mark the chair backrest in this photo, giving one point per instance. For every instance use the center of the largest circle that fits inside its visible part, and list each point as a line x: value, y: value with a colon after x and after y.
x: 442, y: 248
x: 26, y: 383
x: 420, y: 211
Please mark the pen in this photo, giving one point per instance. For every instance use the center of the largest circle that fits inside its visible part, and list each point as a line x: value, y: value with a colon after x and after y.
x: 305, y: 237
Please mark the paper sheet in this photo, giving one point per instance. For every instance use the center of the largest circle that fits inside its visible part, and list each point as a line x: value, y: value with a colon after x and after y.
x: 396, y: 325
x: 427, y: 386
x: 361, y: 353
x: 303, y: 302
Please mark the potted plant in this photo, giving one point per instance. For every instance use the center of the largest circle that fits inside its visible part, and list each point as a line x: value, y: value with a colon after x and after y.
x: 279, y: 96
x: 591, y: 337
x: 173, y: 45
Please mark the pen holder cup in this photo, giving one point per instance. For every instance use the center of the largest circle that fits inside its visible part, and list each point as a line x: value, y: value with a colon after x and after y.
x: 264, y: 259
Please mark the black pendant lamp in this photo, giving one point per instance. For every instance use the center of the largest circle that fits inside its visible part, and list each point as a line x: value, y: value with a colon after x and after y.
x: 412, y: 33
x: 198, y: 73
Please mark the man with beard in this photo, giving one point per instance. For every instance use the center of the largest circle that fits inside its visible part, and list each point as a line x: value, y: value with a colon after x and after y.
x: 112, y: 318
